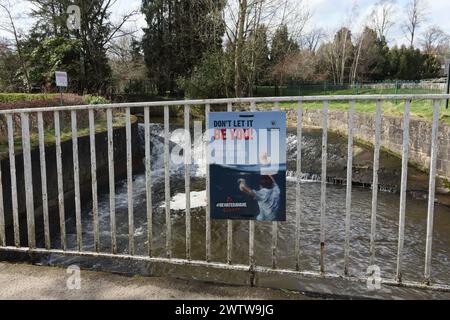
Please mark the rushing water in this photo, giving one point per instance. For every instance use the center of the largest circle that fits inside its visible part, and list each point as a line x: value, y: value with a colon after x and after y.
x: 387, y: 219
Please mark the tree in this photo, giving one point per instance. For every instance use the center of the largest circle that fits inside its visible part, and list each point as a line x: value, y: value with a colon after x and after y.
x: 92, y: 42
x: 9, y: 77
x: 371, y: 57
x: 256, y: 57
x: 382, y: 17
x: 9, y: 26
x: 433, y: 38
x: 243, y: 17
x: 179, y: 33
x: 416, y: 15
x: 312, y: 39
x: 407, y: 63
x: 127, y: 64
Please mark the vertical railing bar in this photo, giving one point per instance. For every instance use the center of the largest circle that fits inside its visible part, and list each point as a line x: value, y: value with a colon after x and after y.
x: 432, y: 190
x: 251, y: 227
x: 2, y: 213
x: 208, y: 194
x: 275, y: 223
x: 167, y: 183
x: 323, y: 188
x: 187, y: 179
x: 112, y: 185
x: 148, y: 180
x: 94, y: 180
x: 298, y: 214
x: 12, y: 169
x: 348, y: 201
x: 59, y: 170
x: 230, y: 222
x: 43, y: 165
x: 130, y: 182
x: 404, y: 186
x: 28, y: 179
x: 376, y: 167
x: 76, y: 179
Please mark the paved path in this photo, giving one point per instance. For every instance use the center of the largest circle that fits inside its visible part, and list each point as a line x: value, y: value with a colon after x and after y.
x: 21, y: 281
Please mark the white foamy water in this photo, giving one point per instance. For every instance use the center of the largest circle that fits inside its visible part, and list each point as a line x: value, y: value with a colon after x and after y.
x: 178, y: 202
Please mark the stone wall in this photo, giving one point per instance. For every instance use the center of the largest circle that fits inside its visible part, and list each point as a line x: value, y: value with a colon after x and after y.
x: 392, y: 135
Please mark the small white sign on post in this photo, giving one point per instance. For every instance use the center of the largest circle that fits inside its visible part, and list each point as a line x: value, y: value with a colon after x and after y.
x: 61, y: 79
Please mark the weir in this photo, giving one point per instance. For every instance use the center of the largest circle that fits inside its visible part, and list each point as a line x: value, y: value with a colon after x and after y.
x: 158, y: 215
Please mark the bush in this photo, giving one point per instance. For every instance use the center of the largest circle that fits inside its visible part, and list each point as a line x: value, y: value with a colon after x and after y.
x: 212, y: 78
x: 90, y: 99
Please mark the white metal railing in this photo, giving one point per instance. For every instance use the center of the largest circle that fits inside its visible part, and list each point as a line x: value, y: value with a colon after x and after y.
x: 251, y: 267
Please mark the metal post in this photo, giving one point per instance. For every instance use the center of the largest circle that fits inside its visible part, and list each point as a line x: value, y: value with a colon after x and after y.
x: 187, y: 179
x: 404, y: 186
x: 348, y: 201
x: 432, y: 191
x: 112, y: 187
x: 208, y: 192
x: 323, y: 187
x: 447, y: 91
x: 167, y: 183
x: 42, y: 162
x: 76, y: 179
x: 131, y: 246
x: 376, y: 167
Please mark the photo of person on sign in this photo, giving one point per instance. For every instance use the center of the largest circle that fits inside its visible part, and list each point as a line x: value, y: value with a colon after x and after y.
x: 268, y: 195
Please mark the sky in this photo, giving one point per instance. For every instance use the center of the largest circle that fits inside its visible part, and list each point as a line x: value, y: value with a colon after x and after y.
x: 327, y: 14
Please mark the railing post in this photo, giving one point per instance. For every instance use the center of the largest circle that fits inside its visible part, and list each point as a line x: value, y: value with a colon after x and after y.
x: 208, y: 194
x: 323, y: 187
x: 376, y: 167
x: 112, y: 185
x: 43, y: 165
x: 404, y: 186
x: 348, y: 198
x: 230, y: 222
x: 167, y: 183
x: 129, y: 182
x: 187, y: 179
x: 12, y: 170
x: 432, y: 191
x: 94, y: 180
x: 76, y: 178
x: 28, y: 179
x: 298, y: 214
x: 59, y: 169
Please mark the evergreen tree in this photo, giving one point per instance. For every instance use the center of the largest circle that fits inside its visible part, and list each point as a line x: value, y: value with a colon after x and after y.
x: 179, y: 33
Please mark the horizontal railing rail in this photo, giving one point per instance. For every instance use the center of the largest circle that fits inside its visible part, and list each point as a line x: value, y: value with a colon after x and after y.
x: 252, y: 267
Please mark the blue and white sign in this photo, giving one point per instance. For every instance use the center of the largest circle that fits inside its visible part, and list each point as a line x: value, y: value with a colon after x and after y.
x: 247, y: 162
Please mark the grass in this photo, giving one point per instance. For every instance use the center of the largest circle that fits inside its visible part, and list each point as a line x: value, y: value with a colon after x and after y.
x: 319, y: 90
x: 16, y: 97
x: 420, y: 109
x: 66, y: 134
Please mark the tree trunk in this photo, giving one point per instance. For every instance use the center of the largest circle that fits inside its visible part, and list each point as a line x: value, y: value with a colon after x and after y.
x: 239, y: 48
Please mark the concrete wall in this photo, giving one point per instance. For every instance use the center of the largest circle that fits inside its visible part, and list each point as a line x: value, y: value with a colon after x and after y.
x: 392, y: 135
x: 67, y: 163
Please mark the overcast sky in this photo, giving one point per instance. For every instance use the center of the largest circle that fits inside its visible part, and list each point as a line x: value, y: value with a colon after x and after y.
x: 328, y: 14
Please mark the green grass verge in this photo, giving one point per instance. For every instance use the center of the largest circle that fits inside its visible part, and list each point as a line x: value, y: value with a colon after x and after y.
x: 420, y: 109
